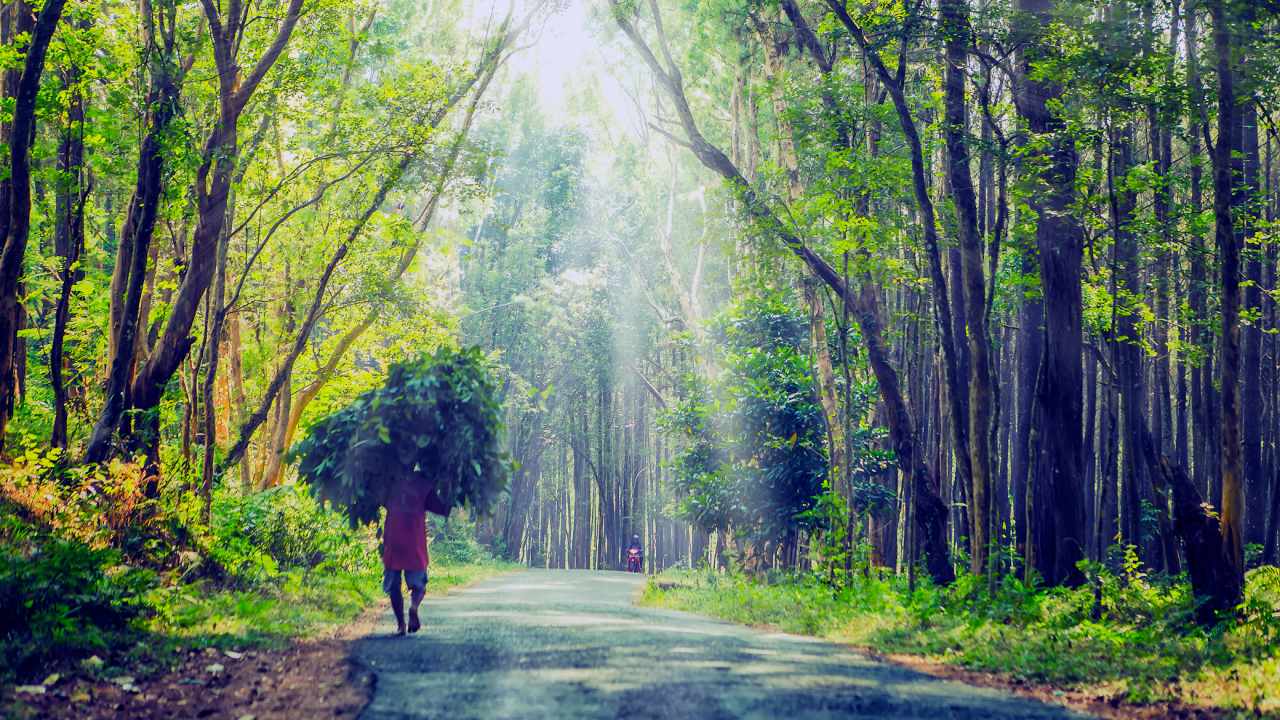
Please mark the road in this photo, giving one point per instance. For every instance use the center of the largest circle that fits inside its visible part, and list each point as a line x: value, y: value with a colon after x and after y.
x: 570, y: 644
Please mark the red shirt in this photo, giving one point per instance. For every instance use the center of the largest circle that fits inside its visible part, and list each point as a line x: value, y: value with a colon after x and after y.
x: 404, y: 536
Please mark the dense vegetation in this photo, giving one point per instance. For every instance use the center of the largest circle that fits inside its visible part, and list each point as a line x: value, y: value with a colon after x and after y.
x: 215, y: 232
x: 965, y: 307
x: 154, y: 579
x: 1021, y: 213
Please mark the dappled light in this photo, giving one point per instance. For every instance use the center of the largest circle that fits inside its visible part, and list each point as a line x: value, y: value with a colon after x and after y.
x: 640, y: 358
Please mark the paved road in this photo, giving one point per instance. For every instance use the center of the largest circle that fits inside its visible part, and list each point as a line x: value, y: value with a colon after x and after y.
x: 569, y: 644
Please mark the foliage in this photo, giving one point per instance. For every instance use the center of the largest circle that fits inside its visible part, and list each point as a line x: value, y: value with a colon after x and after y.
x: 100, y: 506
x: 453, y: 542
x: 270, y: 567
x: 752, y: 454
x: 1131, y: 637
x: 777, y: 426
x: 699, y: 468
x: 436, y: 418
x: 253, y: 538
x: 62, y: 597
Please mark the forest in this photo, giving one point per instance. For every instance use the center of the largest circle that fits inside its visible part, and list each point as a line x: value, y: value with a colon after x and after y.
x: 927, y: 317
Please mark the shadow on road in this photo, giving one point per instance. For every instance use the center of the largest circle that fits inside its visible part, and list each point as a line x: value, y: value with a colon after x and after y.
x: 570, y: 644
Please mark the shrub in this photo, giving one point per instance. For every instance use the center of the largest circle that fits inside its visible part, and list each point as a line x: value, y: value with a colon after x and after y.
x: 288, y: 524
x: 64, y: 598
x: 453, y: 541
x: 254, y: 538
x: 98, y: 505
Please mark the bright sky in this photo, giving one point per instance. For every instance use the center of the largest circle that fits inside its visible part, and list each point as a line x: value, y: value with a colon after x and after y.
x: 570, y: 53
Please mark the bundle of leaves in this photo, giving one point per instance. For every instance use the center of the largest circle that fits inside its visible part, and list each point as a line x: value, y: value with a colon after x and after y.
x: 436, y: 420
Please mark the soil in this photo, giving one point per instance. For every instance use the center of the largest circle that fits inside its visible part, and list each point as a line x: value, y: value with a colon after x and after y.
x: 308, y: 679
x: 1111, y: 708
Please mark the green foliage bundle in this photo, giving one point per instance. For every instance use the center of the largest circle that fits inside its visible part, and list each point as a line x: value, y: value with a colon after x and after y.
x: 436, y: 419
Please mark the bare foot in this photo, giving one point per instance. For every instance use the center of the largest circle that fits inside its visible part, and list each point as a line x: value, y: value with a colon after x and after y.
x: 414, y: 623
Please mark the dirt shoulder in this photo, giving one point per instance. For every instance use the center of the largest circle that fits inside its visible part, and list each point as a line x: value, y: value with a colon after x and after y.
x: 1109, y: 707
x: 309, y: 678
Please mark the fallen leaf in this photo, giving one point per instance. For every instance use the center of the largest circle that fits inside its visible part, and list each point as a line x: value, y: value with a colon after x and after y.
x: 123, y: 680
x: 30, y: 689
x: 214, y: 668
x: 81, y: 696
x: 246, y: 717
x: 93, y: 661
x: 51, y: 680
x: 233, y: 654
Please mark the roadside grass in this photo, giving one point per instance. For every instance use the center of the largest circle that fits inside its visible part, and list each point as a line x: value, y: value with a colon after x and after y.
x: 1130, y: 638
x: 301, y: 604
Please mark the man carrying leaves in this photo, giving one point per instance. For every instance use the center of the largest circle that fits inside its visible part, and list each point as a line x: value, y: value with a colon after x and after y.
x: 404, y: 546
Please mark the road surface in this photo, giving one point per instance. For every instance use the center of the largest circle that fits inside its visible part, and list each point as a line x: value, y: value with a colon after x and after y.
x: 570, y: 644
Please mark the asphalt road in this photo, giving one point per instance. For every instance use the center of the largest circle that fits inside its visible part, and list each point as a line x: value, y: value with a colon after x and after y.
x: 570, y: 644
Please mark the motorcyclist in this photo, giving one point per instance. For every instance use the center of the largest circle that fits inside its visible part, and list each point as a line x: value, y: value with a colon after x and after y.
x: 636, y: 550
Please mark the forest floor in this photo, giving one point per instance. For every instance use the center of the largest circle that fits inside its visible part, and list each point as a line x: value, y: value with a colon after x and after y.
x: 1136, y: 656
x: 245, y: 675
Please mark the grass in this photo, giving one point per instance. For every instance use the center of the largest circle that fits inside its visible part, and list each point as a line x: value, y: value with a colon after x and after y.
x: 1138, y: 643
x: 301, y: 604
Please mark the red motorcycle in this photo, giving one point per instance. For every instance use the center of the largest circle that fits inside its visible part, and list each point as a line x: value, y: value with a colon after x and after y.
x: 635, y: 560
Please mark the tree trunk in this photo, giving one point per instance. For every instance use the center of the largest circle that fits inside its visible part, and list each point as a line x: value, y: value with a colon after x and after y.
x: 954, y: 26
x: 68, y: 243
x: 1201, y: 389
x: 236, y: 371
x: 1225, y: 199
x: 827, y: 391
x: 129, y: 278
x: 212, y: 188
x: 1030, y: 359
x: 1059, y: 236
x: 929, y: 510
x: 15, y: 190
x: 213, y: 340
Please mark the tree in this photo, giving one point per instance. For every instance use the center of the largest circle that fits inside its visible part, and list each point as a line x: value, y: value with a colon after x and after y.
x: 1058, y: 539
x: 21, y: 85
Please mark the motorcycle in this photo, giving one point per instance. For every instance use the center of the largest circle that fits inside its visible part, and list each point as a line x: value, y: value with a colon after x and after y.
x: 635, y: 561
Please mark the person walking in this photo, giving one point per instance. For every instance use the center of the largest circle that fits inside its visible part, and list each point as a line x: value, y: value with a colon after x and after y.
x: 404, y: 548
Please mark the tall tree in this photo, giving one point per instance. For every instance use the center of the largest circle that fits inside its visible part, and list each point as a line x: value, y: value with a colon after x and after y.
x: 1226, y: 198
x: 21, y: 84
x: 954, y: 27
x: 211, y: 188
x: 1058, y: 528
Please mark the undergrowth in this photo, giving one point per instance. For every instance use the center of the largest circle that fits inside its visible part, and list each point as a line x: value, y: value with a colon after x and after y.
x: 1122, y: 635
x: 94, y: 574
